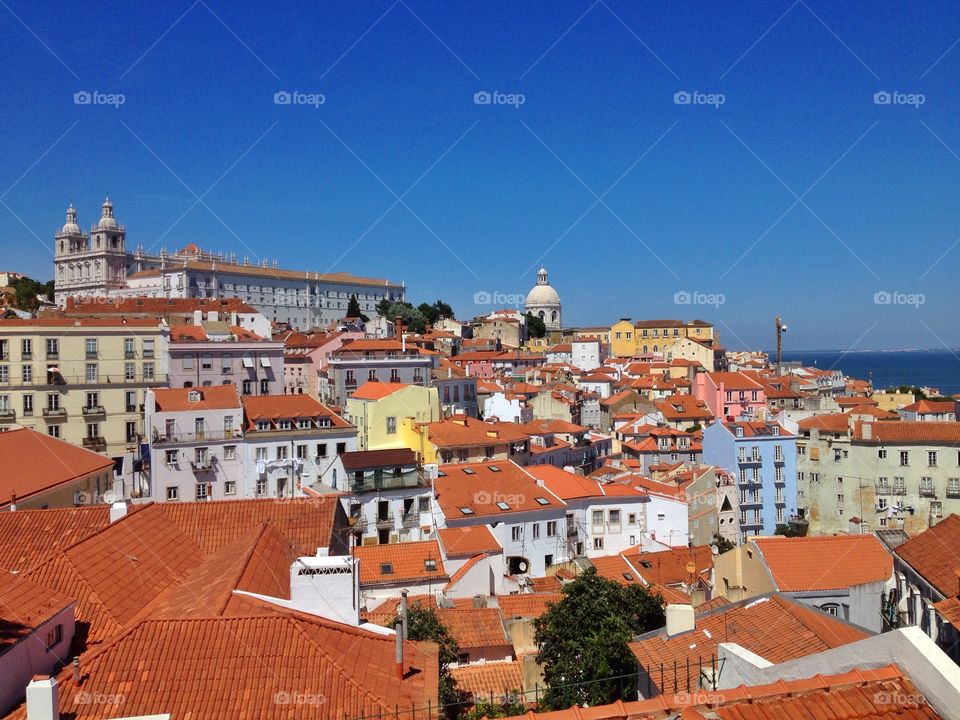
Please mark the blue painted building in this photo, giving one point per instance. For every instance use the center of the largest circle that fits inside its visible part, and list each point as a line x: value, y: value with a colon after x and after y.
x: 763, y: 458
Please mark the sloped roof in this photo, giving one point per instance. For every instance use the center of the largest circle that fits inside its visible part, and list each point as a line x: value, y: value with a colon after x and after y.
x: 34, y: 463
x: 772, y: 626
x: 826, y: 562
x: 482, y: 680
x: 398, y: 563
x: 215, y: 397
x: 933, y: 554
x: 31, y: 537
x: 935, y: 432
x: 669, y: 567
x: 474, y: 627
x: 24, y: 606
x: 468, y: 541
x: 527, y: 605
x: 375, y: 390
x: 489, y: 489
x: 371, y: 459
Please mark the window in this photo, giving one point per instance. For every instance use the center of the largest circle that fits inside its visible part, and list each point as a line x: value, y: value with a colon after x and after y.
x: 516, y: 533
x: 321, y: 450
x: 53, y: 348
x: 261, y: 486
x: 129, y: 372
x: 128, y: 347
x: 899, y: 486
x: 661, y: 516
x: 247, y: 387
x: 91, y: 347
x: 53, y: 431
x: 261, y: 453
x: 904, y: 457
x: 54, y: 636
x: 423, y: 503
x: 936, y: 509
x: 148, y: 372
x: 206, y: 361
x: 93, y: 399
x: 264, y: 387
x: 597, y: 517
x: 229, y: 452
x: 391, y: 425
x: 953, y: 484
x: 551, y: 528
x: 882, y: 453
x: 284, y: 425
x: 26, y: 347
x: 614, y: 517
x: 148, y: 348
x: 28, y: 405
x: 535, y: 529
x: 932, y: 458
x: 131, y: 400
x: 926, y: 486
x: 173, y: 493
x: 281, y: 452
x: 202, y: 491
x: 91, y: 372
x: 839, y: 498
x: 230, y: 487
x: 27, y: 374
x: 881, y: 503
x: 341, y: 448
x: 598, y: 543
x: 171, y: 457
x: 187, y: 362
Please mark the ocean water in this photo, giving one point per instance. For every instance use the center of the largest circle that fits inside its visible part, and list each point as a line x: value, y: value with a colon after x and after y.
x: 925, y: 368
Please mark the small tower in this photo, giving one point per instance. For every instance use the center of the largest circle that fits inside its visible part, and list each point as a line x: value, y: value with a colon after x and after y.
x: 107, y: 235
x: 69, y: 239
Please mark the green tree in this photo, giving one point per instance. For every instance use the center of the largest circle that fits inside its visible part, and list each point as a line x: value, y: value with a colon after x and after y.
x: 443, y: 309
x: 536, y: 328
x: 423, y: 624
x: 353, y: 309
x: 429, y: 312
x: 29, y: 293
x: 412, y: 318
x: 383, y: 307
x: 582, y: 641
x: 509, y: 707
x: 723, y: 545
x: 787, y: 530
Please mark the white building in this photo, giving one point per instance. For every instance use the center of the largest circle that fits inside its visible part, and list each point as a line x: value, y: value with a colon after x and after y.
x: 544, y: 302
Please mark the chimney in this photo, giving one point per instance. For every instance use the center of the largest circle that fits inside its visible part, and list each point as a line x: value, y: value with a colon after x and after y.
x: 77, y: 680
x: 404, y: 613
x: 13, y: 501
x: 117, y: 511
x: 197, y: 317
x: 866, y: 430
x: 680, y: 618
x: 399, y: 629
x: 42, y: 698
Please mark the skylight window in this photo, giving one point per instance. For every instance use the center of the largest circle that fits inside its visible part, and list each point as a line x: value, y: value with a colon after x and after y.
x: 430, y: 564
x: 441, y: 473
x: 542, y: 501
x: 628, y: 577
x: 502, y: 505
x: 469, y: 471
x: 467, y: 510
x: 494, y: 468
x: 386, y: 568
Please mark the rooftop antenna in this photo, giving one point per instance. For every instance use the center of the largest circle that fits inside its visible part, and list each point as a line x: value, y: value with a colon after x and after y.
x: 781, y: 329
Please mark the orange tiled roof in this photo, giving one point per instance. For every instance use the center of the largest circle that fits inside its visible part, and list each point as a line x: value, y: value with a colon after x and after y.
x: 932, y: 406
x: 159, y: 306
x: 474, y: 627
x: 527, y: 605
x: 879, y: 694
x: 468, y: 541
x: 34, y: 463
x: 398, y: 563
x: 215, y: 397
x: 496, y: 679
x: 827, y: 562
x: 950, y: 610
x: 938, y: 432
x: 277, y: 407
x: 24, y: 606
x: 489, y: 489
x: 616, y: 568
x: 669, y: 567
x: 933, y: 554
x: 224, y: 668
x: 31, y: 537
x: 377, y: 390
x: 772, y: 626
x: 463, y: 431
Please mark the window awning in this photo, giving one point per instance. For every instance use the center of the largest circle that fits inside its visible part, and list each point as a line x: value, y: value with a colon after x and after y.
x: 248, y: 362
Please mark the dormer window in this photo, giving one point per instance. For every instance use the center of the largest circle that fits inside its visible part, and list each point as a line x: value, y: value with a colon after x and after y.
x: 542, y: 501
x: 739, y: 432
x: 304, y: 423
x: 194, y: 396
x: 263, y: 424
x: 386, y: 568
x: 284, y: 425
x: 469, y: 471
x: 775, y: 430
x: 430, y: 565
x: 324, y: 422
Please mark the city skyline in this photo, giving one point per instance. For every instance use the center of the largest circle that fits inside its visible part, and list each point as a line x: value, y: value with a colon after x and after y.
x: 809, y: 177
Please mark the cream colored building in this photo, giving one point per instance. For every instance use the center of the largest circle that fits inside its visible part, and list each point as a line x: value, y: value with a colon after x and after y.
x: 81, y: 379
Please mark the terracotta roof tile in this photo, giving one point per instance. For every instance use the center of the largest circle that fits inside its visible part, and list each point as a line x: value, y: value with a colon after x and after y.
x: 483, y: 680
x: 215, y: 397
x: 377, y: 390
x: 463, y: 431
x: 30, y: 537
x: 527, y: 605
x: 828, y: 562
x: 290, y: 407
x: 669, y: 567
x: 34, y: 463
x: 474, y: 627
x: 468, y: 541
x: 488, y: 489
x: 24, y: 606
x: 372, y: 459
x: 935, y: 432
x: 399, y: 563
x: 933, y: 554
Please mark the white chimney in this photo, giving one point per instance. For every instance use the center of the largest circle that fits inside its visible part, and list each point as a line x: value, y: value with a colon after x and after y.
x: 327, y: 586
x: 117, y: 511
x: 213, y: 315
x: 197, y: 317
x: 867, y: 431
x: 680, y: 618
x: 42, y: 698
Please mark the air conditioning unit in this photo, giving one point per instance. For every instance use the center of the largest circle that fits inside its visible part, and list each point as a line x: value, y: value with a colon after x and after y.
x: 82, y: 497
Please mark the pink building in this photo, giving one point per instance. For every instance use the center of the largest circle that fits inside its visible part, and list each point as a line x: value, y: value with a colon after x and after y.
x: 731, y: 395
x: 305, y: 358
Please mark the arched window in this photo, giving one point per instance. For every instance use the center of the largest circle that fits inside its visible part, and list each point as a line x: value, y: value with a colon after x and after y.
x: 644, y: 349
x: 553, y: 316
x: 831, y: 609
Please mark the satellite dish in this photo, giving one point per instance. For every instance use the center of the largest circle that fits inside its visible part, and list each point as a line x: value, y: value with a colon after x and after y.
x: 691, y: 567
x: 522, y: 566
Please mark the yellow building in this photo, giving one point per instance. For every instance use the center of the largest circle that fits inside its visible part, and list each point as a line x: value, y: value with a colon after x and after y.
x: 655, y: 337
x: 379, y: 409
x: 892, y: 401
x: 81, y: 379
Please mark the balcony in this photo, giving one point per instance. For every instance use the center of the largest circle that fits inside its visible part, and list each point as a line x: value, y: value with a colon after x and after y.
x: 385, y: 521
x: 97, y: 444
x: 928, y: 492
x: 899, y: 491
x: 8, y: 415
x: 178, y: 438
x: 410, y: 519
x: 572, y: 531
x: 953, y: 494
x: 59, y: 412
x: 94, y: 410
x: 388, y: 481
x: 883, y: 490
x: 91, y: 354
x: 203, y: 464
x: 53, y: 355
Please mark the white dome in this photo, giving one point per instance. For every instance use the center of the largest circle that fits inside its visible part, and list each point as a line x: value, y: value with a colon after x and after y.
x: 542, y: 296
x: 71, y: 227
x: 107, y: 220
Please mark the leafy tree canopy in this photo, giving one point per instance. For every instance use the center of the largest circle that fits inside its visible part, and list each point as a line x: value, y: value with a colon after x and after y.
x: 423, y: 624
x: 30, y: 293
x: 582, y: 640
x: 353, y: 309
x: 536, y: 328
x: 723, y: 545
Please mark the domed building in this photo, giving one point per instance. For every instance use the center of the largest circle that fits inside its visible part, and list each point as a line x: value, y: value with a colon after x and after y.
x: 544, y: 302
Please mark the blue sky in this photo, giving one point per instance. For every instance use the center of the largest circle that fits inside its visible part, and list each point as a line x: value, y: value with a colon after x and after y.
x: 798, y: 194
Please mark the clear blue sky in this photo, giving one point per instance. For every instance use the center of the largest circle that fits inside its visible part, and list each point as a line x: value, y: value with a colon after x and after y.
x: 496, y: 189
